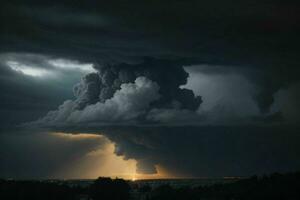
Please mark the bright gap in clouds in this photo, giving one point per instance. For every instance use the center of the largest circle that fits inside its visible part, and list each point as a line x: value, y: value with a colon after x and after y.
x: 27, y: 70
x: 72, y: 65
x: 36, y: 65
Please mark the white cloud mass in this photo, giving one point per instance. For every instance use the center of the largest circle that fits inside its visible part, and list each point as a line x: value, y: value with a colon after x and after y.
x: 128, y: 103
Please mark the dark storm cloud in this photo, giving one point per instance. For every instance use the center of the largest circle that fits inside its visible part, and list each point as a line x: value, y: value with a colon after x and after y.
x: 256, y: 34
x: 212, y: 151
x: 206, y: 151
x: 212, y: 31
x: 167, y: 74
x: 125, y: 93
x: 183, y: 151
x: 139, y: 94
x: 162, y: 145
x: 260, y: 39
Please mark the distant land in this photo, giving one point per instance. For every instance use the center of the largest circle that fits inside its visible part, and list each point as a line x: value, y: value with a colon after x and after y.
x: 274, y: 186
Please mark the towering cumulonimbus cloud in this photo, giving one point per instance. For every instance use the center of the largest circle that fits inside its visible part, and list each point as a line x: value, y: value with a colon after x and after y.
x: 127, y: 93
x: 119, y: 99
x: 167, y: 74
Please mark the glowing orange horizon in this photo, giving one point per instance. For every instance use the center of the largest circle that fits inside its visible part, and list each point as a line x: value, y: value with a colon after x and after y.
x: 102, y: 162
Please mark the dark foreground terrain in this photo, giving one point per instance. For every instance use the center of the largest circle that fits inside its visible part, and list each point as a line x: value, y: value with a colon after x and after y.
x: 273, y: 187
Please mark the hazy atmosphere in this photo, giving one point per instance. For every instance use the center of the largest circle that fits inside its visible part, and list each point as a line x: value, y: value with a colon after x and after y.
x: 149, y: 89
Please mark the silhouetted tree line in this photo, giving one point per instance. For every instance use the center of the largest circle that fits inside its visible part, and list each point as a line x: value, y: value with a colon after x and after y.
x: 35, y: 190
x: 102, y: 188
x: 106, y: 188
x: 272, y: 187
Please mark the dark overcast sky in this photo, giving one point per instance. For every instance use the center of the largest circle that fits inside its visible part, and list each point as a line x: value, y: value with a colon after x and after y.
x: 201, y: 88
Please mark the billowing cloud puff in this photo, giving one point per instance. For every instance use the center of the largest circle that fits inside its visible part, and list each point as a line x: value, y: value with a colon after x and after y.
x: 130, y: 102
x: 127, y: 93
